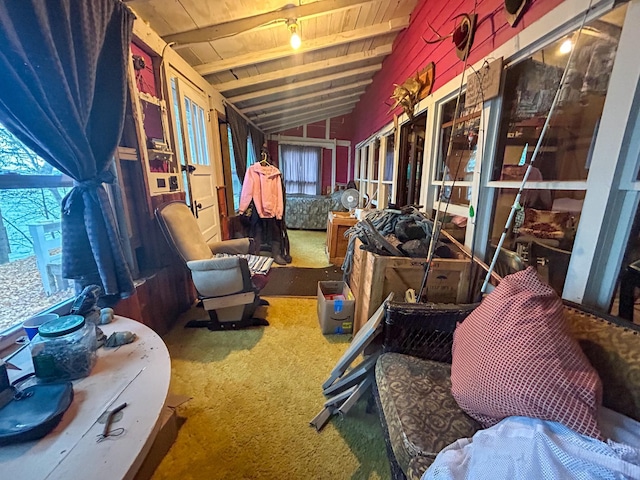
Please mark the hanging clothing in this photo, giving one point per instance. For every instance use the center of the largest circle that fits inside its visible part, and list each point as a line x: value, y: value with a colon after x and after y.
x: 263, y: 185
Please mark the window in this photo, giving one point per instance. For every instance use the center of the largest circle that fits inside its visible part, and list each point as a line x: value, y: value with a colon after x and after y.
x: 31, y: 192
x: 196, y: 129
x: 251, y: 159
x: 552, y: 201
x: 457, y: 150
x: 301, y: 169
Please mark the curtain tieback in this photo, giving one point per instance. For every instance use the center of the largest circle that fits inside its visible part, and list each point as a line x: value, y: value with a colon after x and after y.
x: 86, y: 185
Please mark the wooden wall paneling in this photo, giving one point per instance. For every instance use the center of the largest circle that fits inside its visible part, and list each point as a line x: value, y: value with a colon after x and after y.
x: 221, y: 191
x: 160, y: 298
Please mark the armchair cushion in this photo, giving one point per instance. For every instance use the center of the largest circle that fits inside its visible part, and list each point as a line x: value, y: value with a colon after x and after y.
x: 237, y: 246
x: 220, y: 263
x: 220, y: 276
x: 182, y: 230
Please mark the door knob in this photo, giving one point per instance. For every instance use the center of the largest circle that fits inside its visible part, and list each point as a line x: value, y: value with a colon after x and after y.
x: 188, y: 168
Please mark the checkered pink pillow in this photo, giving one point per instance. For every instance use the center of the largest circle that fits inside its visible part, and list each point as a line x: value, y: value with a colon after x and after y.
x: 514, y: 356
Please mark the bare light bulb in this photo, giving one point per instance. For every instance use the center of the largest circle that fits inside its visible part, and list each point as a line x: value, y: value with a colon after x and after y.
x: 566, y: 47
x: 295, y: 39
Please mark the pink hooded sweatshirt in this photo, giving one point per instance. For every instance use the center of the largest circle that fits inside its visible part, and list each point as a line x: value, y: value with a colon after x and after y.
x: 263, y: 184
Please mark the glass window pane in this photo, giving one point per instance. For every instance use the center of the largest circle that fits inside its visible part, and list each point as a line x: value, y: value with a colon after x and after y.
x: 200, y: 133
x: 237, y: 185
x: 251, y: 153
x: 530, y: 87
x: 388, y: 161
x: 459, y: 141
x: 181, y: 151
x: 30, y: 233
x: 376, y: 159
x: 457, y: 149
x: 300, y: 167
x: 205, y: 143
x: 364, y: 163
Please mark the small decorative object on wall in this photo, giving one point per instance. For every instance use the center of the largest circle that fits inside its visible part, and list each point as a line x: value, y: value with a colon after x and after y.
x: 462, y: 34
x: 413, y: 90
x: 484, y: 84
x: 513, y: 10
x: 426, y: 76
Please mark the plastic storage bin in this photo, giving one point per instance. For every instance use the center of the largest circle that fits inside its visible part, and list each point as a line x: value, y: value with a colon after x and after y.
x: 64, y: 349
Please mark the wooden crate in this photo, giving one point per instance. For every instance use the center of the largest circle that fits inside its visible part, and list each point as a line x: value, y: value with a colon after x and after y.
x: 357, y: 264
x: 378, y: 276
x: 337, y: 224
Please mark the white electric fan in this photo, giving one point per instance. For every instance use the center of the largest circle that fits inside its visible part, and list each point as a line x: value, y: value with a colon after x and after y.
x: 350, y: 199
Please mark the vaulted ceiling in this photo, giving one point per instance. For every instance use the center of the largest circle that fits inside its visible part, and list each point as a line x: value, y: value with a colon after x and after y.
x: 242, y: 48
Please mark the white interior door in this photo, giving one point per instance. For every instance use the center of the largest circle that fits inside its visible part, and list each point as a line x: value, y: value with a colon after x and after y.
x: 195, y: 157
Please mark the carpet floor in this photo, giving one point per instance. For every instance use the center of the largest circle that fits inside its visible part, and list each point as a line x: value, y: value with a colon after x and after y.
x: 255, y: 391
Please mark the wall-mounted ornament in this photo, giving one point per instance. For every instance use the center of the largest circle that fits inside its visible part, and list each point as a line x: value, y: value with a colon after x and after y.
x: 427, y: 76
x: 413, y: 90
x: 462, y: 34
x: 513, y: 10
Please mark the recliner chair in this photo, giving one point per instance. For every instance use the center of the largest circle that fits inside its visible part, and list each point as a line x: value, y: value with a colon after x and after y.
x: 224, y: 284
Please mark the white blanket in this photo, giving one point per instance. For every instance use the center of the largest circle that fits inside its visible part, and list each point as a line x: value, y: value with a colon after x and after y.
x: 527, y: 448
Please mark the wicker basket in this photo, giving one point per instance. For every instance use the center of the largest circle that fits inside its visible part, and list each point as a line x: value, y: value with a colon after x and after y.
x: 422, y: 329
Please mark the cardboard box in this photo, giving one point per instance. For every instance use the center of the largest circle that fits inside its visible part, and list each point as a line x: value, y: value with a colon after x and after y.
x: 170, y: 423
x: 336, y: 307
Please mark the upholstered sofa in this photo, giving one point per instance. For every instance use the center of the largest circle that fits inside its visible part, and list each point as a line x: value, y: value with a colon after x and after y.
x: 418, y: 412
x: 310, y: 212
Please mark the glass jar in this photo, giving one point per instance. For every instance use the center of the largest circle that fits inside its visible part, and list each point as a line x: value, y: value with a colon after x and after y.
x: 64, y: 349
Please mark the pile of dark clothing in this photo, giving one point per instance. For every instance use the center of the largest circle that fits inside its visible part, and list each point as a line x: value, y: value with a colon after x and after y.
x: 402, y: 233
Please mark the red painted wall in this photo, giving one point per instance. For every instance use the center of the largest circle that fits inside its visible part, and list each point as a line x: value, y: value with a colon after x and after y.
x: 340, y: 128
x: 326, y: 170
x: 342, y: 162
x: 145, y: 78
x: 410, y: 53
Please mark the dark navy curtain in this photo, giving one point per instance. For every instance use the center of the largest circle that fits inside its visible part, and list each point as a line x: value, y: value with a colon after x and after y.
x: 239, y: 136
x: 257, y: 140
x: 63, y: 72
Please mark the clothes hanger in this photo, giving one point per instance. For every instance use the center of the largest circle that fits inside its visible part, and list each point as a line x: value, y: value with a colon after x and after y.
x: 263, y: 159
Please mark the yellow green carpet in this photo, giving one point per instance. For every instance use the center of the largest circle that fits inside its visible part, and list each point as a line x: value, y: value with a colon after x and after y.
x: 254, y: 393
x: 307, y: 248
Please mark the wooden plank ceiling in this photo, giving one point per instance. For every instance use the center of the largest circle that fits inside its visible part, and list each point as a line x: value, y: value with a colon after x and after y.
x: 242, y: 48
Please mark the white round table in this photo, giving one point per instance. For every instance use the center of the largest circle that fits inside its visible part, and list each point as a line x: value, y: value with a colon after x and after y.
x: 138, y: 374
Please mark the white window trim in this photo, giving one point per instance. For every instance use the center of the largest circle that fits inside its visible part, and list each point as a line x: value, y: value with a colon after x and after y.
x: 601, y: 236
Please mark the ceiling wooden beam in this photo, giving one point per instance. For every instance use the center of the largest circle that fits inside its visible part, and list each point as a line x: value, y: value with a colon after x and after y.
x: 312, y: 119
x: 381, y: 51
x: 393, y: 25
x: 291, y: 88
x: 278, y: 103
x: 307, y: 106
x: 303, y: 114
x: 234, y: 27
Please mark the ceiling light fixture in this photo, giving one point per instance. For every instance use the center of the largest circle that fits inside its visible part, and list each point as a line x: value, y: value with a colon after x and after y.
x: 566, y: 47
x: 295, y: 41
